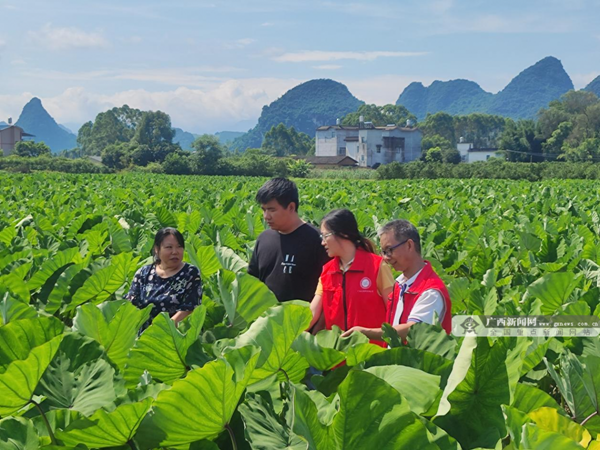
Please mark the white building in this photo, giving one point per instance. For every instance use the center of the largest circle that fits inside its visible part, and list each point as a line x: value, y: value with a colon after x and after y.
x: 368, y: 144
x: 469, y: 154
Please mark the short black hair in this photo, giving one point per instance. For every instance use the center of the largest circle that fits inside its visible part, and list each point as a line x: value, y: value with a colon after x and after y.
x: 402, y: 230
x: 280, y: 189
x: 160, y: 237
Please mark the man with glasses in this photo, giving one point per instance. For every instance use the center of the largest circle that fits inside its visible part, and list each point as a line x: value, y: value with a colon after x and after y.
x: 419, y: 294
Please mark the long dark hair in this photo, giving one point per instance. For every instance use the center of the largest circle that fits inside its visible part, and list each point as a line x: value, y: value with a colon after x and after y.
x: 342, y: 223
x: 160, y: 237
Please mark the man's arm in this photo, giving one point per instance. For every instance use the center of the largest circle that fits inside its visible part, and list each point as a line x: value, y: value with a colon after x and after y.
x: 428, y: 304
x: 376, y: 334
x: 253, y: 264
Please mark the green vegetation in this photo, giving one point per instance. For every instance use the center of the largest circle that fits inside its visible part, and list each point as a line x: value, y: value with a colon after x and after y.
x: 380, y: 116
x: 283, y: 141
x: 75, y: 374
x: 305, y: 107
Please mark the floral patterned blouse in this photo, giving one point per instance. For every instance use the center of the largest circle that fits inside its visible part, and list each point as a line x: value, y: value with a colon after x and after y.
x: 179, y: 292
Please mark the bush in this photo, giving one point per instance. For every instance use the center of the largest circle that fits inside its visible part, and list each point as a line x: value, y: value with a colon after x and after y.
x: 492, y: 169
x: 50, y: 163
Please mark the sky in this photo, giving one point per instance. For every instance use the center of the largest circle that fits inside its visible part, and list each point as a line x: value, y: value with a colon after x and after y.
x: 212, y: 65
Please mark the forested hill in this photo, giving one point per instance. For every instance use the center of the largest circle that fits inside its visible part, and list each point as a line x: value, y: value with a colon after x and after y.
x: 594, y: 86
x: 522, y: 98
x: 456, y: 97
x: 35, y: 120
x: 305, y: 107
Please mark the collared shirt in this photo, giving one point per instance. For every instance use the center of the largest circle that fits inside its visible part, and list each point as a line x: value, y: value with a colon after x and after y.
x: 429, y: 303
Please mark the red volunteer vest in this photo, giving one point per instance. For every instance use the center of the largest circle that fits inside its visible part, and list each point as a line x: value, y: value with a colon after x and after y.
x: 351, y: 298
x: 426, y: 280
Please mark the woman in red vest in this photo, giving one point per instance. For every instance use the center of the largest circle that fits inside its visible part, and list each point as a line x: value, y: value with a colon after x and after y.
x: 419, y: 294
x: 355, y: 284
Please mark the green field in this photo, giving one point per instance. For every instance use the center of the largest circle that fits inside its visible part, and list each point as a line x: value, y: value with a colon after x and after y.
x: 74, y: 373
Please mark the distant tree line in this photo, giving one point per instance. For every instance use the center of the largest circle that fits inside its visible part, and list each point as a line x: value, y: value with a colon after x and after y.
x: 568, y: 130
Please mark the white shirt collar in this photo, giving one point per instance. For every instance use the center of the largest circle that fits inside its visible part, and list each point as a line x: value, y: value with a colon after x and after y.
x: 402, y: 279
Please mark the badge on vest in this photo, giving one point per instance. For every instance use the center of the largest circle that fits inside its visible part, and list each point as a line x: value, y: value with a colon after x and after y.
x: 365, y: 283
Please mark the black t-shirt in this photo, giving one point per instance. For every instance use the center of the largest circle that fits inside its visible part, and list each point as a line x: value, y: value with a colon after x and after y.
x: 289, y: 264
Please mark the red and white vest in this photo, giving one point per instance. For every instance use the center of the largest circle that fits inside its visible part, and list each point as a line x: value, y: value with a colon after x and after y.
x: 351, y: 298
x: 426, y: 280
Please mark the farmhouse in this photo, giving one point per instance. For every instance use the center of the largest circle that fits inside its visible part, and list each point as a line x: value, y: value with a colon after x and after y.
x: 368, y: 144
x: 330, y: 162
x: 9, y: 137
x: 469, y: 154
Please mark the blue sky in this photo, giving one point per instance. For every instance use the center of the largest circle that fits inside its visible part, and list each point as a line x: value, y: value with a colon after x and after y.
x: 212, y: 65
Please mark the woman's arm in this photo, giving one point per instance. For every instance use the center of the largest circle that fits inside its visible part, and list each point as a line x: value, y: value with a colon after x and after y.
x: 192, y: 296
x: 316, y: 308
x: 180, y: 315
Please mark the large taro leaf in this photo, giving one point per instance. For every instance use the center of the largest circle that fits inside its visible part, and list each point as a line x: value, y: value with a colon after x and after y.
x: 18, y: 433
x: 263, y: 429
x: 313, y: 416
x: 536, y: 438
x: 78, y: 379
x: 274, y: 332
x: 205, y: 258
x: 470, y: 407
x: 245, y: 299
x: 553, y: 289
x: 112, y: 324
x: 106, y: 429
x: 411, y: 357
x: 162, y: 349
x: 200, y: 405
x: 104, y: 283
x: 19, y: 337
x: 431, y: 338
x: 229, y: 260
x: 419, y: 388
x: 52, y: 265
x: 372, y: 414
x: 549, y: 419
x: 12, y: 309
x: 324, y: 350
x: 579, y: 384
x: 21, y: 377
x: 528, y: 398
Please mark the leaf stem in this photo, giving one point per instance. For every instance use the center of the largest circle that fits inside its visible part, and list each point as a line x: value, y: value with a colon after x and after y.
x: 231, y: 435
x: 48, y: 427
x: 583, y: 422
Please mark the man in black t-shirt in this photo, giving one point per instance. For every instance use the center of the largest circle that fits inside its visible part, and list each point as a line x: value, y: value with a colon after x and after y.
x: 289, y: 256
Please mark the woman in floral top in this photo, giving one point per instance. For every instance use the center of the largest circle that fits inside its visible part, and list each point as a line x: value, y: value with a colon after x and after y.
x: 169, y: 284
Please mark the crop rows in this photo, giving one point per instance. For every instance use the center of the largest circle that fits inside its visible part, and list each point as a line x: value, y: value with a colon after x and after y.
x: 75, y: 373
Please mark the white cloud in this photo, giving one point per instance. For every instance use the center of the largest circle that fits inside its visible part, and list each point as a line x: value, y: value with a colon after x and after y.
x: 328, y: 67
x: 318, y: 55
x: 267, y: 24
x: 195, y: 110
x: 18, y: 62
x: 177, y: 76
x: 2, y: 44
x: 65, y: 38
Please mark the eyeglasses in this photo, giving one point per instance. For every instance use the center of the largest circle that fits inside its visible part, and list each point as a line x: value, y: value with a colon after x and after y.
x: 388, y: 251
x: 326, y: 235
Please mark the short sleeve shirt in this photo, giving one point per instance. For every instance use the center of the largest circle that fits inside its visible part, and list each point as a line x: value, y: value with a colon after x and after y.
x: 289, y: 264
x: 179, y: 292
